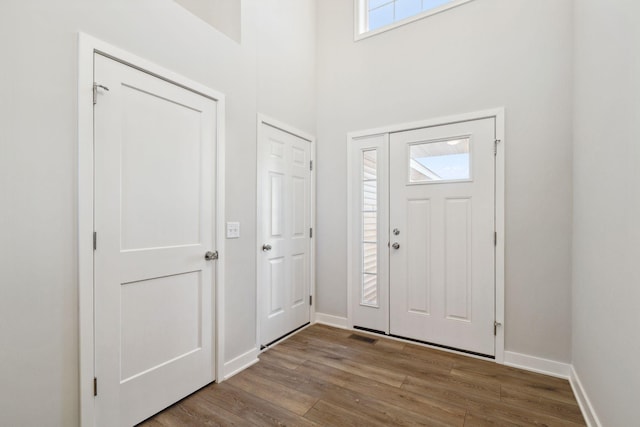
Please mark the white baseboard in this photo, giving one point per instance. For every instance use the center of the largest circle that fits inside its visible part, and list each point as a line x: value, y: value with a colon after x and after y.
x: 240, y: 363
x: 537, y: 364
x: 586, y: 407
x: 330, y: 320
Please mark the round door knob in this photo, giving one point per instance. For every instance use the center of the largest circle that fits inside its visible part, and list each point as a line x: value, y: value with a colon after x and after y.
x: 210, y: 256
x: 266, y: 247
x: 396, y: 245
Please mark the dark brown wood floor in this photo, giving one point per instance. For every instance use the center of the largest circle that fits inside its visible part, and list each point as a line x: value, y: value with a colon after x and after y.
x: 326, y: 376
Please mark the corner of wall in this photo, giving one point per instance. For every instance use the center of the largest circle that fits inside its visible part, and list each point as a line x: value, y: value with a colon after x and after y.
x: 240, y: 363
x: 331, y: 320
x: 588, y: 411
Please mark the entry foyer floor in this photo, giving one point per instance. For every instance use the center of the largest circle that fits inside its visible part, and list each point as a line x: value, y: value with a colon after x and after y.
x: 332, y: 377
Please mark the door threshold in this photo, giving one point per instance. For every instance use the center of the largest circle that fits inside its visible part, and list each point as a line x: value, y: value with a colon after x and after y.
x: 264, y: 347
x: 430, y: 344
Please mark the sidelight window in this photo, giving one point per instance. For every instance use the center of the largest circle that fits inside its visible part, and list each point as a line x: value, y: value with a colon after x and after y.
x: 369, y: 189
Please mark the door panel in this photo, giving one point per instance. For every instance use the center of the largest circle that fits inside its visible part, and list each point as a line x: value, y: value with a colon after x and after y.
x: 458, y: 259
x: 160, y: 321
x: 154, y: 177
x: 285, y: 221
x: 442, y: 280
x: 418, y: 257
x: 276, y: 287
x: 172, y: 217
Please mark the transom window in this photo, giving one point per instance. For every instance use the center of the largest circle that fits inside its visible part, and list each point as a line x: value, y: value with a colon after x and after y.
x: 375, y: 16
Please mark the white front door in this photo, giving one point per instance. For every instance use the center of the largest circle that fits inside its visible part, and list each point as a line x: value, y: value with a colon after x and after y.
x: 284, y: 192
x: 154, y: 220
x: 442, y: 216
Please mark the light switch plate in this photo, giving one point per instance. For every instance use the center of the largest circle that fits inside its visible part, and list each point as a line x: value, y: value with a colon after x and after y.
x: 233, y: 230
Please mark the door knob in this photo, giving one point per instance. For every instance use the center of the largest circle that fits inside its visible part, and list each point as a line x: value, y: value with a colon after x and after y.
x: 210, y: 256
x: 396, y: 245
x: 266, y: 247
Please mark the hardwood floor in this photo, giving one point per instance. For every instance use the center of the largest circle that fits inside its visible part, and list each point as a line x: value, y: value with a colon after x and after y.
x: 329, y: 377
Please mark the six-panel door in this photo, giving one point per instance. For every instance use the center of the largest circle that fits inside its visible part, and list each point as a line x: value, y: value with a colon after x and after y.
x: 285, y: 216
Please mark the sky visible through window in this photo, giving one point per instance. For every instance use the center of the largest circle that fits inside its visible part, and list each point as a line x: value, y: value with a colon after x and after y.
x: 385, y: 12
x: 450, y: 167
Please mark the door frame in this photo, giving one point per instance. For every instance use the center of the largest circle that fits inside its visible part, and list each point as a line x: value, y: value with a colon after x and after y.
x: 498, y: 114
x: 263, y: 119
x: 88, y: 46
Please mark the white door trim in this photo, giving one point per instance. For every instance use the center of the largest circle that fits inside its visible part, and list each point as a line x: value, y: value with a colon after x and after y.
x: 264, y: 119
x: 87, y: 47
x: 498, y: 114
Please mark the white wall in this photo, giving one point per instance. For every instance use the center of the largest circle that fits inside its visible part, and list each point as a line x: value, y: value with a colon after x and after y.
x: 223, y: 15
x: 38, y: 168
x: 485, y: 54
x: 606, y: 231
x: 287, y: 62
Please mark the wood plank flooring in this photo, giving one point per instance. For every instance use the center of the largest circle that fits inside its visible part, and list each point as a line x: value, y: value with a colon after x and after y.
x: 323, y: 376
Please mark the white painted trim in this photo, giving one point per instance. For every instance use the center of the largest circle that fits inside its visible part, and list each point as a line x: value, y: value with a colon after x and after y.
x: 361, y: 18
x: 588, y: 411
x: 263, y: 118
x: 219, y: 305
x: 269, y: 121
x: 537, y: 364
x: 312, y: 253
x: 437, y: 121
x: 331, y: 320
x: 500, y: 180
x: 240, y: 363
x: 498, y: 114
x: 87, y: 47
x: 85, y: 230
x: 350, y: 244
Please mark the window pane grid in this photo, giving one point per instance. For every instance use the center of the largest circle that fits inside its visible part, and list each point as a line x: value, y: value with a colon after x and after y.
x: 381, y: 13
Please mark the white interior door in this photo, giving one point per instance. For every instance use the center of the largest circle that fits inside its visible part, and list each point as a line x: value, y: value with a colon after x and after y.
x: 284, y: 190
x: 442, y: 217
x: 154, y: 219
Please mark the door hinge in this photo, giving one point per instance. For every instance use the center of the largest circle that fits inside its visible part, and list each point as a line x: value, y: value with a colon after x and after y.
x: 95, y: 240
x: 95, y: 386
x: 495, y: 147
x: 310, y: 300
x: 95, y: 91
x: 495, y: 238
x: 310, y: 232
x: 311, y: 165
x: 495, y: 327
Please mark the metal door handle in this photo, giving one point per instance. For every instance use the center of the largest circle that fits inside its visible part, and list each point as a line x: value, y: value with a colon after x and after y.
x: 266, y: 247
x: 396, y: 245
x: 210, y: 256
